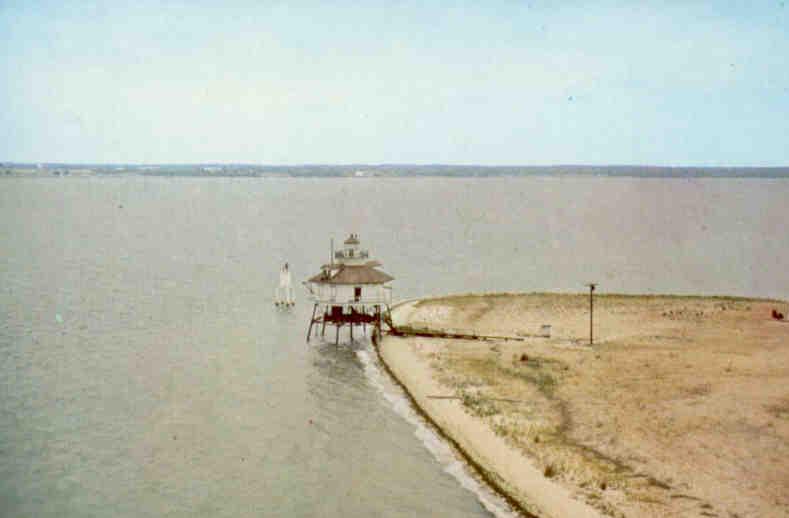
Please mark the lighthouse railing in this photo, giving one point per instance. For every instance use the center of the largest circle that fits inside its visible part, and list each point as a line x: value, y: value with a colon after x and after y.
x: 364, y: 301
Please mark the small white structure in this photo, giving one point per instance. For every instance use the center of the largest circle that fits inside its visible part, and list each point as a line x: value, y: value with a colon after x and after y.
x: 350, y: 290
x: 283, y: 296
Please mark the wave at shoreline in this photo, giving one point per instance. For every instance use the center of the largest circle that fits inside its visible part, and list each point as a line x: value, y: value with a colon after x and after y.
x: 437, y: 446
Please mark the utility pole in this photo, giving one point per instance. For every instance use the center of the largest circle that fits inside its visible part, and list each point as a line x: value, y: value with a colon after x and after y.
x: 592, y: 286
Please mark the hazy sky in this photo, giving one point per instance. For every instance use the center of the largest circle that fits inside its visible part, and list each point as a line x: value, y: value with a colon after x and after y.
x: 669, y: 83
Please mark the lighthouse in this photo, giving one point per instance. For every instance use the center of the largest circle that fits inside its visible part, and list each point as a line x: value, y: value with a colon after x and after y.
x: 349, y: 291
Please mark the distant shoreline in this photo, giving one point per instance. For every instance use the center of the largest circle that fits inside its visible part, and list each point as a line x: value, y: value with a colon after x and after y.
x: 386, y: 171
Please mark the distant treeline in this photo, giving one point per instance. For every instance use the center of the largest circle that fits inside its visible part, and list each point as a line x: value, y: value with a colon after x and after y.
x: 390, y: 170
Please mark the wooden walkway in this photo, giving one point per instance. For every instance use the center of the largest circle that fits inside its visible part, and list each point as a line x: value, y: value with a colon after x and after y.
x: 451, y: 333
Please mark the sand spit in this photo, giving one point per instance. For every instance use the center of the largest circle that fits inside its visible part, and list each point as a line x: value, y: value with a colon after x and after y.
x: 680, y: 409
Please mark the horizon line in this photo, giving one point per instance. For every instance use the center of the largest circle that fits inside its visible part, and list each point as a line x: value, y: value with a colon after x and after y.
x: 4, y: 163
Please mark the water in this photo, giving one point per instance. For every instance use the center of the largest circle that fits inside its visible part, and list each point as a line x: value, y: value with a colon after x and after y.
x: 145, y: 371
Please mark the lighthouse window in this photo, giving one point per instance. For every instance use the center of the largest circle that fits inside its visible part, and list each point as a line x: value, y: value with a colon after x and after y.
x: 357, y: 293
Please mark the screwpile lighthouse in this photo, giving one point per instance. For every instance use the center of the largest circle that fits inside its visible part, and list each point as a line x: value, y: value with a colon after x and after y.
x: 349, y: 291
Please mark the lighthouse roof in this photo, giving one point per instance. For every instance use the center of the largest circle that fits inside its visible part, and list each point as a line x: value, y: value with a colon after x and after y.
x: 337, y: 266
x: 348, y: 274
x: 352, y: 240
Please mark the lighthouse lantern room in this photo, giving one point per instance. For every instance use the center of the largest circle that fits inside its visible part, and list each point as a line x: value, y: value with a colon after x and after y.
x: 349, y: 291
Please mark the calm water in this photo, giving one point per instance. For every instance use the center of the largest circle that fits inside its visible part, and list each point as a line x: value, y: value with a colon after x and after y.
x: 145, y: 372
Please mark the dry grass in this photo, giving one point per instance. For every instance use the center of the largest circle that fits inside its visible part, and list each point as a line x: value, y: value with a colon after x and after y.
x: 682, y: 396
x: 779, y: 410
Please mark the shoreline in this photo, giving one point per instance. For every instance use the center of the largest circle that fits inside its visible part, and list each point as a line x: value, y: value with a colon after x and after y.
x: 543, y: 500
x: 534, y: 505
x: 521, y: 507
x: 570, y: 472
x: 479, y: 470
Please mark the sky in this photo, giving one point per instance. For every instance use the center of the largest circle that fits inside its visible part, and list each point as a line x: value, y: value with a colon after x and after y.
x: 492, y: 83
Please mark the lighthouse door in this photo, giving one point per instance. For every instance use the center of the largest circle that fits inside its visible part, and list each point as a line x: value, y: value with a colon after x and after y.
x: 357, y: 294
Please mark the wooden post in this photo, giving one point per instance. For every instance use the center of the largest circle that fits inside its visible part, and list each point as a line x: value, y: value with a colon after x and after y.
x: 312, y: 321
x: 337, y: 337
x: 592, y: 286
x: 351, y: 330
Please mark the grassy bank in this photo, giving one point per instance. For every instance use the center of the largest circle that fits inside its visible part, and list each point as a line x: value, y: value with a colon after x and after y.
x: 680, y: 409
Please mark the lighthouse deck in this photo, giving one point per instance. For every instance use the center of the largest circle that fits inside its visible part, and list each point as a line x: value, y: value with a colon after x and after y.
x: 351, y: 317
x: 347, y: 315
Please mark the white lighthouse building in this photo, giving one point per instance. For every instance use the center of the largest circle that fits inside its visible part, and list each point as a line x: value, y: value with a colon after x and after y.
x: 350, y: 290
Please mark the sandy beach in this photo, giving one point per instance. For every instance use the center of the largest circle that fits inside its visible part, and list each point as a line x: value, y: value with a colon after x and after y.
x: 681, y: 408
